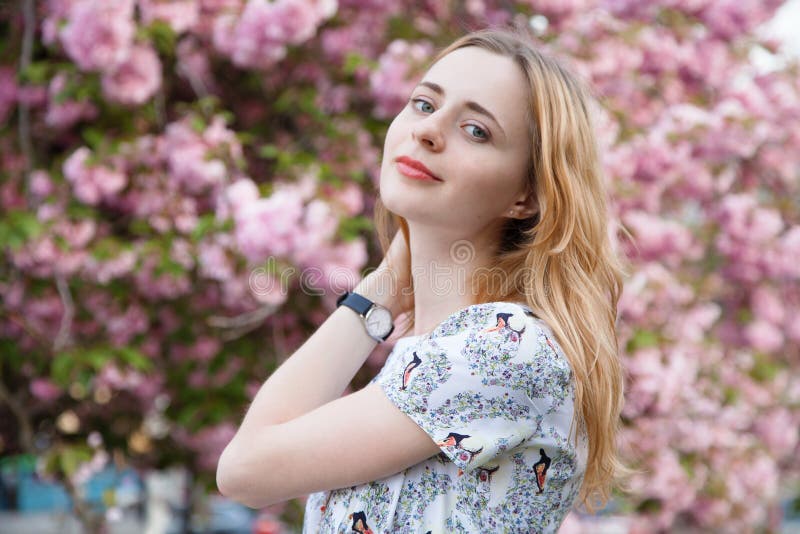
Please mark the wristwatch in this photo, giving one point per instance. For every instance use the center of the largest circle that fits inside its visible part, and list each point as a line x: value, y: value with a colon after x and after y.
x: 377, y: 319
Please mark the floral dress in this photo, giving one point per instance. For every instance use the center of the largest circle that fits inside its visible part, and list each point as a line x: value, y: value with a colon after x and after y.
x: 491, y: 386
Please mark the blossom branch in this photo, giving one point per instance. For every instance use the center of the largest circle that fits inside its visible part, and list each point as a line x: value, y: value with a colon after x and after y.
x: 241, y: 324
x: 24, y: 126
x: 63, y: 337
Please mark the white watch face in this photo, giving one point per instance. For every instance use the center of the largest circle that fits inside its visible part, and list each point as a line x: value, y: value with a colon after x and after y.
x: 379, y: 321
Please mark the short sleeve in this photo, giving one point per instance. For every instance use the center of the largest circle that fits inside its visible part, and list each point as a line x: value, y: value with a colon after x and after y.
x: 484, y: 386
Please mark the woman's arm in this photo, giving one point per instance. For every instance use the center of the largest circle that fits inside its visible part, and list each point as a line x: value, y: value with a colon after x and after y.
x: 319, y: 371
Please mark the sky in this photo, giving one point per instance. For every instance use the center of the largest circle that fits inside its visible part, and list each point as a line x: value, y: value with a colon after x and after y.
x: 785, y: 26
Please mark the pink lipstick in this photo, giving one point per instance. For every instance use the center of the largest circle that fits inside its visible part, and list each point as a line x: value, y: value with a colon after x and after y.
x: 415, y: 169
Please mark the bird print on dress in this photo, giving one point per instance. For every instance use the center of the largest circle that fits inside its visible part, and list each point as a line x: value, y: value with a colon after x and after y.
x: 541, y: 470
x: 360, y: 523
x: 485, y: 473
x: 413, y: 364
x: 505, y: 321
x: 454, y: 440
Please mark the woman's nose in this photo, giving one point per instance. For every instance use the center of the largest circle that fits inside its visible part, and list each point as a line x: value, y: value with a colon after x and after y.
x: 428, y: 133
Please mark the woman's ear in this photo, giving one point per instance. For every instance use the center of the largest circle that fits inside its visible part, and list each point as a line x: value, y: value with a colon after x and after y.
x: 525, y: 207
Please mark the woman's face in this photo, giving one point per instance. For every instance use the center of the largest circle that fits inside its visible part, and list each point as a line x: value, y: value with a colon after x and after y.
x: 465, y: 123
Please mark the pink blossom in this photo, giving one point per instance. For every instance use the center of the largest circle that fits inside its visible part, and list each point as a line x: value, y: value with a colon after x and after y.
x: 728, y: 18
x: 63, y: 114
x: 135, y: 79
x: 187, y: 156
x: 647, y: 369
x: 767, y: 305
x: 32, y: 95
x: 267, y: 288
x: 182, y: 253
x: 779, y: 431
x: 789, y: 252
x: 259, y: 37
x: 269, y: 226
x: 659, y: 239
x: 56, y: 11
x: 337, y: 42
x: 122, y: 327
x: 41, y: 184
x: 764, y: 336
x: 231, y: 370
x: 214, y: 261
x: 164, y: 286
x: 205, y: 348
x: 194, y: 64
x: 198, y: 379
x: 116, y: 267
x: 45, y: 390
x: 342, y: 263
x: 78, y: 234
x: 99, y: 33
x: 92, y: 183
x: 350, y: 198
x: 181, y: 15
x: 116, y: 379
x: 793, y: 326
x: 208, y: 442
x: 391, y: 84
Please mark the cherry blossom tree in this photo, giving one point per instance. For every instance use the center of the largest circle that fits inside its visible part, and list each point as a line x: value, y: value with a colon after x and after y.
x: 185, y: 186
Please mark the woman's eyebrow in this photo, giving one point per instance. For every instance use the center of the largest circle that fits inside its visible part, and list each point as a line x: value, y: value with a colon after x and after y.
x: 474, y: 106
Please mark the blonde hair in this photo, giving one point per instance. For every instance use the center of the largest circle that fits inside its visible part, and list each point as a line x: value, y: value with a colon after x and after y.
x: 561, y: 260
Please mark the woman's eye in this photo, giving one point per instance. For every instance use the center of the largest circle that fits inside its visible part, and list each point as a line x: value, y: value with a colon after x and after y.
x: 477, y: 132
x: 422, y: 105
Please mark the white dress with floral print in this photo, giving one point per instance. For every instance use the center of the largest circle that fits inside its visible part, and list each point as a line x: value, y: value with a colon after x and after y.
x: 492, y: 388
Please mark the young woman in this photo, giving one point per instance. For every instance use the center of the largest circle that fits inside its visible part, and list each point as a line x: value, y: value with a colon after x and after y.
x: 501, y: 410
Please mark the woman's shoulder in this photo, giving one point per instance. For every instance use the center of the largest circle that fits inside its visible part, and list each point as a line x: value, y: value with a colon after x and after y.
x: 476, y: 315
x: 495, y: 320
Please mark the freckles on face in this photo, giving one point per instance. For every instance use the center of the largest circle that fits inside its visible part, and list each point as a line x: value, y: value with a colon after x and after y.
x: 466, y: 122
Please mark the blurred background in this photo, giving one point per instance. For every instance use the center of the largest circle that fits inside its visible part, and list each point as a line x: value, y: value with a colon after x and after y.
x: 186, y: 185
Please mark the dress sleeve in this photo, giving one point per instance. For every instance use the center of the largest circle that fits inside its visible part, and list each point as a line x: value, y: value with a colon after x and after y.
x: 484, y: 390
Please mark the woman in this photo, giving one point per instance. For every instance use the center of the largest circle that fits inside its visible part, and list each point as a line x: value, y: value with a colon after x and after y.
x: 501, y: 410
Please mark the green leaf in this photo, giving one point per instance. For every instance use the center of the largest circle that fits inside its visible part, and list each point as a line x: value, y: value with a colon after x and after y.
x: 106, y: 248
x: 135, y: 359
x: 98, y: 357
x: 187, y: 415
x: 268, y: 151
x: 206, y: 224
x: 198, y: 123
x: 72, y: 456
x: 642, y: 339
x: 163, y: 37
x: 35, y: 73
x: 764, y: 370
x: 80, y: 211
x: 94, y: 137
x: 354, y: 227
x: 352, y: 62
x: 140, y: 227
x: 358, y: 175
x: 61, y: 370
x: 18, y: 228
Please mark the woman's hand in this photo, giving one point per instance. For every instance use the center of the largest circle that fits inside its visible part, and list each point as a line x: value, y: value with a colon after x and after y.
x: 390, y: 285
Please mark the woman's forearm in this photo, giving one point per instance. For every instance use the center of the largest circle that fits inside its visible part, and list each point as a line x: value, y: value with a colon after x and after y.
x: 319, y: 371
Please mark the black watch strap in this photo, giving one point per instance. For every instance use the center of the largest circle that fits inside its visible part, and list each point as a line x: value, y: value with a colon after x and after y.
x: 360, y: 304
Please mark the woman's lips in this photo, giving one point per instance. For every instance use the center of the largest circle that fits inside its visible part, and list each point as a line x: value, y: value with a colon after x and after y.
x: 415, y: 169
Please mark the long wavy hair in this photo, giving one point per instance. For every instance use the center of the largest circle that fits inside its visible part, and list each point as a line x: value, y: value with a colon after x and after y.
x: 561, y: 259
